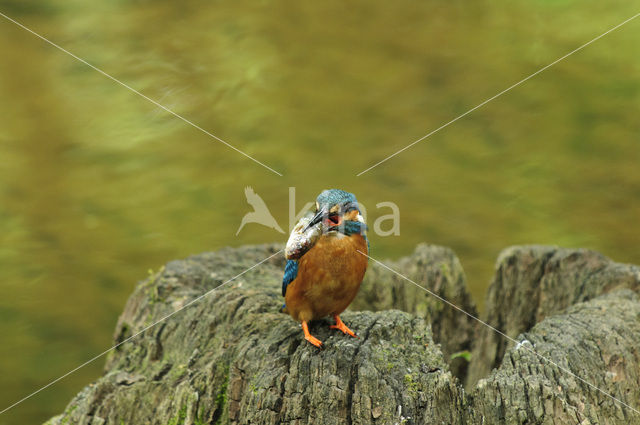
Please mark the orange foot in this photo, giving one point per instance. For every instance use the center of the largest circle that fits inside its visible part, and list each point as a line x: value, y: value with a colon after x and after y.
x: 312, y: 339
x: 340, y: 325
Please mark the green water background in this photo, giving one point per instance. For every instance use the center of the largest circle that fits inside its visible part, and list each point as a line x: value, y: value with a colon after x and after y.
x: 97, y: 185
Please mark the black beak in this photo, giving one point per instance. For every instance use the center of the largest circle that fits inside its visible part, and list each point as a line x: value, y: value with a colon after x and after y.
x: 316, y: 218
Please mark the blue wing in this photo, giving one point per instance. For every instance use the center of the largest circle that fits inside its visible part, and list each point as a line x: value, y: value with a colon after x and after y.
x: 290, y: 273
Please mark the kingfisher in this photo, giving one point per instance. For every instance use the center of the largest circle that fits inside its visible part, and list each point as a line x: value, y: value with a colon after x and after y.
x: 324, y: 268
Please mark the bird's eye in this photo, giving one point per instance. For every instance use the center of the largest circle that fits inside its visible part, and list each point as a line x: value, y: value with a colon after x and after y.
x: 334, y: 219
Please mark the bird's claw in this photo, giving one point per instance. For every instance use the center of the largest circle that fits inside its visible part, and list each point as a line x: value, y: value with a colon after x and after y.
x: 313, y: 340
x: 345, y: 330
x: 341, y: 326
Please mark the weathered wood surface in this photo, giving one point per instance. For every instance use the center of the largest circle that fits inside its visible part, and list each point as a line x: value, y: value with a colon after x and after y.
x: 233, y: 358
x: 534, y: 282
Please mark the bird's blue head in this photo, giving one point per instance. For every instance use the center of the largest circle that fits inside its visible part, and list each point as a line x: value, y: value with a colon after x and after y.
x: 338, y: 211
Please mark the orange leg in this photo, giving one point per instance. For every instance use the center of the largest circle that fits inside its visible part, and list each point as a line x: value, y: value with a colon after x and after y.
x: 340, y: 325
x: 312, y: 339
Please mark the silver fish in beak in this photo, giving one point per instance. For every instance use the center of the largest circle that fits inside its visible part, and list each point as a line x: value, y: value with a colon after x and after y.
x: 303, y: 236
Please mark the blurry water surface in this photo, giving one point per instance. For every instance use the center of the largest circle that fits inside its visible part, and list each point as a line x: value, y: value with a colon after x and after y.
x: 97, y: 185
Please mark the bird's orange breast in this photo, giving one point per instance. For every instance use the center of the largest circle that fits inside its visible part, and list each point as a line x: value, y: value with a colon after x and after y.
x: 329, y: 276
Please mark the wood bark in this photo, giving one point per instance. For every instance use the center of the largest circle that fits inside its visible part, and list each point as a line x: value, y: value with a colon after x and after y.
x: 232, y: 357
